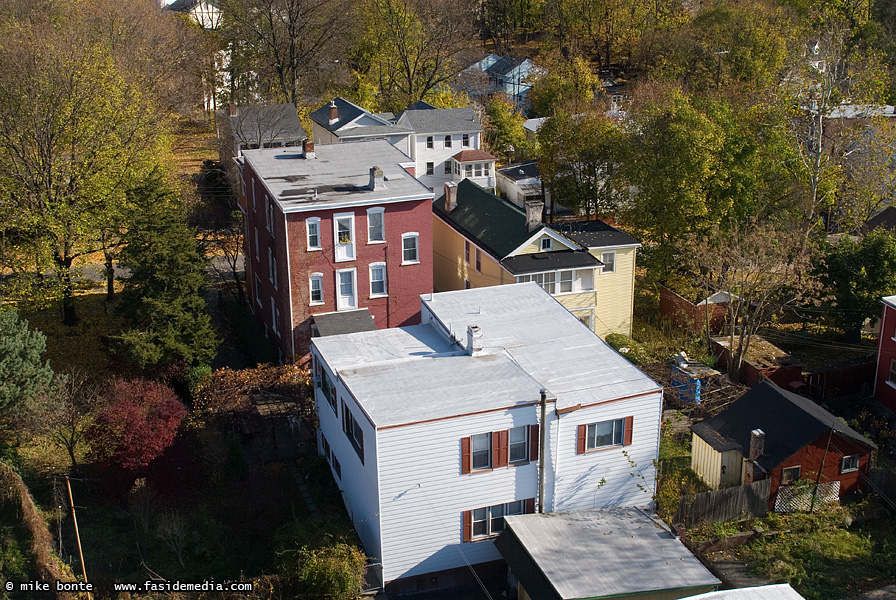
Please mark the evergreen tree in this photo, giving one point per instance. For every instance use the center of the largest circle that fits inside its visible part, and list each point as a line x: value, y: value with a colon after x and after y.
x: 162, y: 299
x: 22, y: 373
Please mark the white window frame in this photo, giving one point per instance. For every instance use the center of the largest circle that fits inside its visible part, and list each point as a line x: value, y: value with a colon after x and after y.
x: 789, y: 472
x: 448, y: 168
x: 467, y: 251
x: 275, y: 325
x: 611, y: 261
x: 252, y: 184
x: 468, y: 170
x: 340, y: 303
x: 416, y: 237
x: 478, y: 260
x: 524, y: 430
x: 478, y: 169
x: 385, y: 292
x: 381, y: 211
x: 587, y: 319
x: 430, y: 142
x: 430, y: 168
x: 343, y: 252
x: 571, y: 282
x: 272, y: 267
x: 892, y: 377
x: 493, y: 516
x: 319, y: 277
x: 315, y: 223
x: 617, y: 433
x: 465, y: 141
x: 483, y: 465
x: 258, y: 290
x: 851, y: 458
x: 448, y: 142
x: 269, y: 213
x: 546, y: 243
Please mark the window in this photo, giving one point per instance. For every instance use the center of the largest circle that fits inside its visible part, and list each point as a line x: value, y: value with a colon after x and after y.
x: 376, y: 230
x: 326, y: 446
x: 448, y: 168
x: 329, y: 390
x: 584, y: 280
x: 849, y: 463
x: 269, y: 213
x: 257, y: 257
x: 519, y: 443
x: 481, y: 450
x: 345, y: 290
x: 481, y: 523
x: 430, y: 168
x: 609, y: 260
x: 466, y: 252
x: 353, y: 431
x: 344, y: 233
x: 252, y: 184
x: 546, y: 243
x: 587, y: 319
x: 468, y: 170
x: 447, y: 141
x: 565, y: 281
x: 892, y: 378
x: 275, y: 317
x: 547, y: 281
x: 465, y: 142
x: 478, y: 261
x: 258, y: 290
x: 312, y: 228
x: 316, y: 285
x: 487, y: 169
x: 377, y: 279
x: 409, y: 249
x: 790, y: 475
x: 467, y: 284
x: 478, y: 167
x: 337, y: 468
x: 604, y: 434
x: 272, y: 267
x: 430, y: 142
x: 457, y: 171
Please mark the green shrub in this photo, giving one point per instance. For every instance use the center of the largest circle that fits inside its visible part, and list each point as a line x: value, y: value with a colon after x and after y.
x: 195, y: 376
x: 635, y: 352
x: 257, y: 348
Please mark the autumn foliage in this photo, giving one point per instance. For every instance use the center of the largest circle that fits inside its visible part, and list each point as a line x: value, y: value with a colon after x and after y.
x: 137, y: 421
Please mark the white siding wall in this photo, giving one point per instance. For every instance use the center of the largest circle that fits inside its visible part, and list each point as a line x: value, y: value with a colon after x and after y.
x: 423, y: 493
x: 578, y: 485
x: 439, y: 154
x: 358, y: 483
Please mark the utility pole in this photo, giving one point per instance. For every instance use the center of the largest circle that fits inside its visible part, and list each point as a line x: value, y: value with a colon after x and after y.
x: 77, y: 533
x: 719, y: 68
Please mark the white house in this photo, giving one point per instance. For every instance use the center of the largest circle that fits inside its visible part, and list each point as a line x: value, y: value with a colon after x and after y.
x: 500, y: 402
x: 206, y: 13
x: 442, y: 143
x: 343, y: 121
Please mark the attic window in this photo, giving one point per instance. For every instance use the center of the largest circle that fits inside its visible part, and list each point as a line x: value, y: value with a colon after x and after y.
x: 546, y: 243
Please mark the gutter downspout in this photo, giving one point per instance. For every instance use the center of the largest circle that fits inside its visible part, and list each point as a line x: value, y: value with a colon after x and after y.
x: 542, y: 438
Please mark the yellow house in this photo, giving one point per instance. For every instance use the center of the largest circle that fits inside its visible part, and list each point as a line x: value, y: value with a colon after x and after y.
x: 482, y: 240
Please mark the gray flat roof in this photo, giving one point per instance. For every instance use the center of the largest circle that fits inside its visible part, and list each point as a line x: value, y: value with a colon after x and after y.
x: 339, y: 174
x: 779, y: 591
x: 530, y: 342
x: 607, y: 552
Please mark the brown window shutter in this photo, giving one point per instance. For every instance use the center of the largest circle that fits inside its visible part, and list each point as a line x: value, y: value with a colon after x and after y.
x: 505, y: 448
x: 529, y: 507
x: 580, y: 439
x: 466, y: 457
x: 628, y: 431
x: 468, y: 524
x: 533, y: 442
x: 497, y: 458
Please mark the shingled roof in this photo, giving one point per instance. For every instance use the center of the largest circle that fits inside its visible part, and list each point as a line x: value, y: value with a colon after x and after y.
x: 595, y: 234
x: 789, y: 422
x: 428, y: 119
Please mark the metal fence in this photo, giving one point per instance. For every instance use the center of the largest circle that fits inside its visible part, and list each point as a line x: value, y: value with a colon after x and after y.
x: 732, y: 504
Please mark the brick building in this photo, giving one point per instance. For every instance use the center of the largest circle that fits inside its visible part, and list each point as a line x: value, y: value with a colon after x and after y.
x: 338, y: 229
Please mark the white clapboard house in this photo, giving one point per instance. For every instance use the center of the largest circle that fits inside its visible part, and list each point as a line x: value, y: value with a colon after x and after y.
x: 500, y: 402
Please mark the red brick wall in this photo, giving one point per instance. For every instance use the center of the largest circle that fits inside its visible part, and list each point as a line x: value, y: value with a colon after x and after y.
x: 810, y: 460
x: 883, y: 391
x: 687, y: 314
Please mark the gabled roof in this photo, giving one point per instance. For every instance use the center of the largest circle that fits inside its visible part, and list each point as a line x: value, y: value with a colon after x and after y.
x: 469, y: 155
x: 265, y: 123
x: 186, y: 5
x: 595, y: 234
x: 593, y: 554
x: 505, y: 65
x: 789, y: 422
x: 550, y: 261
x: 347, y: 113
x: 492, y: 223
x: 885, y: 218
x: 428, y: 119
x: 519, y: 171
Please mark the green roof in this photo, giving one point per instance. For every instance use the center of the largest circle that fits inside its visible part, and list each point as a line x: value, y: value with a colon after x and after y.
x: 492, y: 223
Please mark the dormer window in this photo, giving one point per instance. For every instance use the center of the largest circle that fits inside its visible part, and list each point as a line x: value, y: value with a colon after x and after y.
x: 546, y: 243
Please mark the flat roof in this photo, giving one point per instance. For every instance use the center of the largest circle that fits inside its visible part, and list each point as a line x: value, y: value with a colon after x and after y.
x: 339, y: 174
x: 615, y: 552
x: 778, y: 591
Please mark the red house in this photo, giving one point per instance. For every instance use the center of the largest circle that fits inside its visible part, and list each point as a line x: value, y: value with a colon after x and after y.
x: 885, y: 378
x: 339, y: 229
x: 770, y: 433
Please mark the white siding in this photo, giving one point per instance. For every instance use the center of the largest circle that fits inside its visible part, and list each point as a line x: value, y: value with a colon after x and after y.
x: 358, y: 482
x: 438, y: 154
x: 578, y: 485
x: 423, y: 493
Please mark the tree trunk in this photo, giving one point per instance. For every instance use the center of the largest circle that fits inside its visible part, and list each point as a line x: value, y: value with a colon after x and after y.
x: 69, y: 316
x: 109, y: 272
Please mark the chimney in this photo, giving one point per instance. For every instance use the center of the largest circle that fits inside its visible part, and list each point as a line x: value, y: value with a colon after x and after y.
x: 308, y: 148
x: 752, y: 471
x: 450, y: 196
x: 534, y: 210
x: 377, y: 182
x: 232, y: 110
x: 334, y: 112
x: 474, y: 340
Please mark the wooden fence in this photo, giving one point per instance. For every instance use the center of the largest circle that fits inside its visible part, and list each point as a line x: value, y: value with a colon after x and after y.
x: 843, y: 378
x: 731, y: 504
x: 883, y: 482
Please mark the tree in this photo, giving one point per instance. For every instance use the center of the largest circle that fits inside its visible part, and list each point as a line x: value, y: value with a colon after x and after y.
x: 162, y: 300
x: 858, y: 275
x: 335, y: 571
x: 409, y: 46
x: 23, y: 375
x: 504, y: 131
x: 578, y: 161
x: 567, y: 83
x: 136, y: 422
x: 75, y: 133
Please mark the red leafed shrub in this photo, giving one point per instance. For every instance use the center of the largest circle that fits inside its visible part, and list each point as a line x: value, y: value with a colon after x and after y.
x: 137, y: 421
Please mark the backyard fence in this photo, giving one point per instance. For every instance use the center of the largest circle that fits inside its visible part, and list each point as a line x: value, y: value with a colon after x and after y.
x: 847, y: 377
x: 806, y: 498
x: 742, y: 502
x: 883, y: 482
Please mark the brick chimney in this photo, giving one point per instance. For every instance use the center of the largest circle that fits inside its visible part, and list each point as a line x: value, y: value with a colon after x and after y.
x: 334, y: 112
x: 307, y: 148
x: 474, y: 340
x: 534, y: 211
x: 232, y: 110
x: 377, y: 181
x: 752, y: 471
x: 450, y: 196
